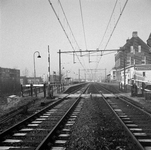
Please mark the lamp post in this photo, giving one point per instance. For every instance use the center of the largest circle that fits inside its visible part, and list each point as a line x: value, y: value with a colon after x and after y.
x: 34, y: 64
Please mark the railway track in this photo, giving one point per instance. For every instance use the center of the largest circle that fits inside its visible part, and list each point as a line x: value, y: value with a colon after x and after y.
x: 22, y: 112
x: 50, y: 128
x: 46, y: 129
x: 135, y: 120
x: 15, y: 112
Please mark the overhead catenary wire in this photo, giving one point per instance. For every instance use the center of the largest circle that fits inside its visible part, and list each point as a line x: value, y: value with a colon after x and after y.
x: 113, y: 30
x: 83, y: 24
x: 63, y: 29
x: 108, y: 24
x: 69, y: 27
x: 68, y: 24
x: 106, y: 30
x: 116, y: 24
x: 83, y: 28
x: 60, y: 24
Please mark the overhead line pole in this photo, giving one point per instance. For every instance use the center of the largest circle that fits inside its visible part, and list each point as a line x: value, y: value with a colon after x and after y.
x: 63, y: 29
x: 87, y: 51
x: 60, y: 76
x: 48, y: 65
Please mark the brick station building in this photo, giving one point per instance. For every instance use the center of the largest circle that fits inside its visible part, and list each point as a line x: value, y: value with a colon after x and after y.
x: 134, y: 60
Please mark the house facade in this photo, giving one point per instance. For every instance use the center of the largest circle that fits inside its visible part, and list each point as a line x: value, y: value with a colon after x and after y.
x: 135, y: 51
x: 133, y: 60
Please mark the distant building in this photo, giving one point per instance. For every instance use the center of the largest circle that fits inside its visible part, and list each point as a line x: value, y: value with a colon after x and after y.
x: 113, y: 75
x: 23, y: 80
x: 108, y: 78
x: 9, y: 81
x: 134, y: 53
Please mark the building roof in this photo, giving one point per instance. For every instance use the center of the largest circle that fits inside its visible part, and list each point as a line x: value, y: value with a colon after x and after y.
x: 135, y: 41
x: 149, y: 41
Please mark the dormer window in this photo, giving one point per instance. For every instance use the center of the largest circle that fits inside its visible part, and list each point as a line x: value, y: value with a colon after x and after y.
x: 139, y: 48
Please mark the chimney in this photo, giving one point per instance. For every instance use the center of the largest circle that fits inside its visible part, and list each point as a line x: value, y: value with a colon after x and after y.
x: 134, y: 34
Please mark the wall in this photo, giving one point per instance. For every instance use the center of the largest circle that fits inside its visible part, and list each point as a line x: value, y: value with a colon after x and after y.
x: 9, y: 81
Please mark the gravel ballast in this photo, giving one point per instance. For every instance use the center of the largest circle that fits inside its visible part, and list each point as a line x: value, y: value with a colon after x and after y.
x: 96, y: 128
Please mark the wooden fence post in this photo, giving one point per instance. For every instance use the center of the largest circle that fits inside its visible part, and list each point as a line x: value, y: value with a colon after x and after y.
x: 31, y: 89
x: 22, y: 94
x: 44, y: 89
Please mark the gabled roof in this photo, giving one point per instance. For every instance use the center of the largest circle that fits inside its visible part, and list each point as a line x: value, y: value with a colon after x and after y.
x: 149, y: 41
x: 135, y: 41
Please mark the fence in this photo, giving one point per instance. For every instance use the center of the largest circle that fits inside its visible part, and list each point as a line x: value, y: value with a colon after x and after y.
x: 35, y: 89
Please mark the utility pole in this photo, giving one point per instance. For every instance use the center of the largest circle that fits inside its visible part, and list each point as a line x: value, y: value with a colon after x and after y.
x: 124, y: 67
x: 79, y: 75
x: 105, y: 73
x: 48, y: 65
x: 87, y: 51
x: 83, y: 51
x: 60, y: 66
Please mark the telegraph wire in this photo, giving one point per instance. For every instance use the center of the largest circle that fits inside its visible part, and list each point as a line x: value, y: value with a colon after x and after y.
x: 83, y: 24
x: 113, y: 29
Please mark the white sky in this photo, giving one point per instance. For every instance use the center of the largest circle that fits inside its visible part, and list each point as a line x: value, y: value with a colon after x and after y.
x: 27, y: 26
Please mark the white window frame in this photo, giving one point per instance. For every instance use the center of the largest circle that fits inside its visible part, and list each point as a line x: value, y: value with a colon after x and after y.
x: 129, y: 60
x: 134, y: 51
x: 131, y: 49
x: 144, y: 60
x: 134, y: 61
x: 139, y: 48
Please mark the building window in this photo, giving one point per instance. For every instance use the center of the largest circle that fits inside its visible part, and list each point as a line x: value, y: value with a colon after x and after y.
x: 139, y: 48
x: 143, y: 59
x: 131, y: 49
x: 134, y: 62
x: 128, y: 60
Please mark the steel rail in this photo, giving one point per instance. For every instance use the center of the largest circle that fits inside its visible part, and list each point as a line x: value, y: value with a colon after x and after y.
x: 43, y: 144
x: 140, y: 147
x: 9, y: 130
x: 19, y: 125
x: 122, y: 98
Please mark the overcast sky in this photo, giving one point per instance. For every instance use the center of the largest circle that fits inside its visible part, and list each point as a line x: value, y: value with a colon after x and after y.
x: 27, y: 26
